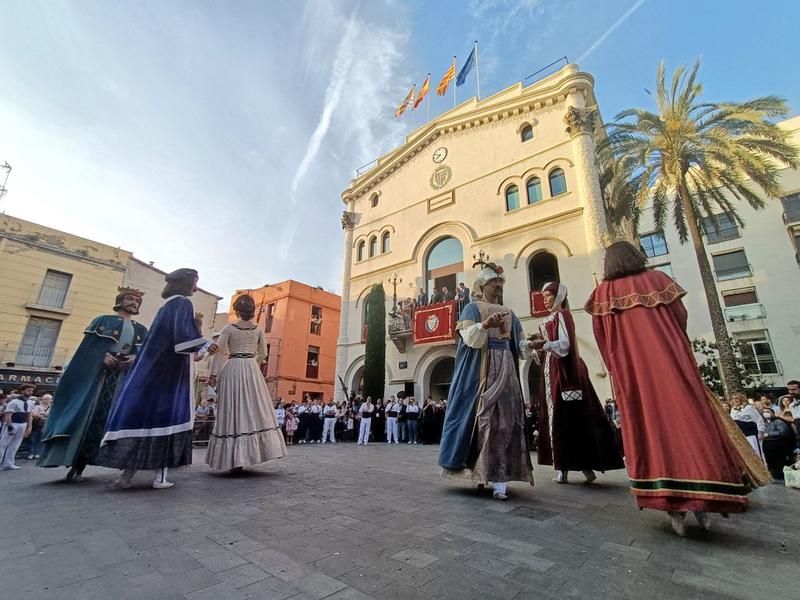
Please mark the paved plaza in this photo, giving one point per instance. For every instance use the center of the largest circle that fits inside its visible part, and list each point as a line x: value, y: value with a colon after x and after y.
x: 343, y: 522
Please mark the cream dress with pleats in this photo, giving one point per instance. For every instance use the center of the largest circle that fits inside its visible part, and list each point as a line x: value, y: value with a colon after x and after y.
x: 246, y: 430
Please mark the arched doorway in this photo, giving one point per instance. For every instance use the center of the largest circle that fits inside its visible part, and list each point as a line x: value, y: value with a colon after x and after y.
x: 441, y: 377
x: 444, y: 266
x: 357, y: 384
x: 542, y: 268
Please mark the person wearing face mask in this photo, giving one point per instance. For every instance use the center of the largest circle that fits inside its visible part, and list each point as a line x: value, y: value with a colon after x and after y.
x: 778, y: 443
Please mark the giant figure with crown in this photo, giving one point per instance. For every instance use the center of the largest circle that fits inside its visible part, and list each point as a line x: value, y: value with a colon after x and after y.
x: 83, y: 399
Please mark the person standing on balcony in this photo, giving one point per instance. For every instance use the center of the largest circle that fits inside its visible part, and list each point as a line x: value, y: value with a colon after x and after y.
x: 422, y: 297
x: 77, y: 419
x: 447, y: 295
x: 436, y: 297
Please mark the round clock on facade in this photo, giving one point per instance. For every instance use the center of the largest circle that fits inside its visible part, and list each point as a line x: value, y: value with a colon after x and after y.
x: 439, y: 154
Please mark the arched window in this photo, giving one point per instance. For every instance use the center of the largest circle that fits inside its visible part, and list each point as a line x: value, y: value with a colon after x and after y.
x: 526, y: 133
x: 385, y: 242
x: 373, y: 246
x: 512, y: 197
x: 360, y: 251
x: 373, y: 200
x: 534, y: 190
x: 444, y: 267
x: 558, y: 183
x: 542, y: 269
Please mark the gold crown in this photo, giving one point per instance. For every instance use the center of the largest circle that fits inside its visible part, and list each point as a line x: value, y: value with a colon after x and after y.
x: 130, y: 291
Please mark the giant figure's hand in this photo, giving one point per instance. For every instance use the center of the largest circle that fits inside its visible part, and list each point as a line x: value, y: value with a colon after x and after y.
x: 110, y: 361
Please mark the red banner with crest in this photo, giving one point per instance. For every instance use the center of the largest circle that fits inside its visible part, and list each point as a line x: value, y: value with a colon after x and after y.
x: 435, y: 323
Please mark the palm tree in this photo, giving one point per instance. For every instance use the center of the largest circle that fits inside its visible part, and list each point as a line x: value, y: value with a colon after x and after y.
x: 690, y: 158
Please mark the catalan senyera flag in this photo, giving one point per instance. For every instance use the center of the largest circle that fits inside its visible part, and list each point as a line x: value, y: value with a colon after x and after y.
x: 423, y: 91
x: 448, y: 77
x: 409, y: 99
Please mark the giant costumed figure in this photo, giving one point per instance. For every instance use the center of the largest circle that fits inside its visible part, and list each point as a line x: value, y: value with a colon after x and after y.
x: 150, y: 425
x: 484, y: 428
x: 76, y: 422
x: 683, y: 453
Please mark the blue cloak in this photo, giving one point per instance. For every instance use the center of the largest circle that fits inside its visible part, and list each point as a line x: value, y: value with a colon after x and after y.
x: 469, y: 381
x: 77, y: 395
x: 151, y: 420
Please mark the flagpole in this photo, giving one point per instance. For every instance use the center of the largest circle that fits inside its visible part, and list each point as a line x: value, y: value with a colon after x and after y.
x: 413, y: 110
x: 429, y: 97
x: 477, y: 70
x: 454, y: 85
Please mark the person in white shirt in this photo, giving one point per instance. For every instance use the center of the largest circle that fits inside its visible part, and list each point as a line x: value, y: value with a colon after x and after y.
x: 315, y: 423
x: 750, y: 421
x: 303, y: 422
x: 794, y: 407
x: 16, y: 425
x: 280, y: 414
x: 329, y: 413
x: 392, y: 412
x: 365, y: 411
x: 412, y: 420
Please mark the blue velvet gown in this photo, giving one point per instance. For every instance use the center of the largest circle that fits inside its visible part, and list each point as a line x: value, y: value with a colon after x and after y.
x: 150, y: 425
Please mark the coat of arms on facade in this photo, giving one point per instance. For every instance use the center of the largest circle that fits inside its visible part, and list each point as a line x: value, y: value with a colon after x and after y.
x: 431, y: 323
x: 441, y: 177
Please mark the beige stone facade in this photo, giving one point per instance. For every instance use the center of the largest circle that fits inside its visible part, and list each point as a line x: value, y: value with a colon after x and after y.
x: 455, y: 178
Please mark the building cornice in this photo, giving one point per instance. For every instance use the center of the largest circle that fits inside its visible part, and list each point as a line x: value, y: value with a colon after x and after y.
x: 510, y: 102
x: 21, y: 239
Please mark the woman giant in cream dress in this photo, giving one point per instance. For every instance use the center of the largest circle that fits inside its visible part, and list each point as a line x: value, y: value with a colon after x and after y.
x: 246, y: 431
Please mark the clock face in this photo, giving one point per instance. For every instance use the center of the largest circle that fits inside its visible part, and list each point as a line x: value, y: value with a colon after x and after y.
x: 440, y: 154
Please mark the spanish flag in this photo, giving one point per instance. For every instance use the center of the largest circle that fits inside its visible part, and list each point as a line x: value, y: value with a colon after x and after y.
x: 448, y: 77
x: 423, y: 91
x: 409, y: 99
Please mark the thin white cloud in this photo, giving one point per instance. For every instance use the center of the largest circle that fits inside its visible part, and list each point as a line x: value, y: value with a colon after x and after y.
x: 345, y: 56
x: 610, y: 30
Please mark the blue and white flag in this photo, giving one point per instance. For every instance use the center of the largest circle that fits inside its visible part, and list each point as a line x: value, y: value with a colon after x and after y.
x: 462, y: 74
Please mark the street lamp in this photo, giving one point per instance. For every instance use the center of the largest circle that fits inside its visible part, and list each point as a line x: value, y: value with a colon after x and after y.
x: 394, y: 280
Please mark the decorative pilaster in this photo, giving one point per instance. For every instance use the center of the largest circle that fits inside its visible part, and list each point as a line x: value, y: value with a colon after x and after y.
x: 581, y: 124
x: 349, y: 220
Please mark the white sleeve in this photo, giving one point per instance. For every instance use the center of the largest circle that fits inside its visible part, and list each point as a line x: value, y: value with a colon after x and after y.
x: 761, y: 423
x: 559, y: 347
x: 474, y: 336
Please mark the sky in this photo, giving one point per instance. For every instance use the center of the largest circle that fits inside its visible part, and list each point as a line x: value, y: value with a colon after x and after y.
x: 220, y: 135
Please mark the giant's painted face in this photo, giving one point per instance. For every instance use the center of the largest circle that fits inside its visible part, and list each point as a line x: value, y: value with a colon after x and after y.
x: 131, y: 304
x: 549, y: 300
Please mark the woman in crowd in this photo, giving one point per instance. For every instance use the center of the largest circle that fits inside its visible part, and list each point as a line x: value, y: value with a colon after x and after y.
x: 750, y: 421
x: 289, y: 423
x: 378, y: 426
x: 675, y: 464
x: 246, y: 430
x: 40, y: 412
x: 428, y: 422
x: 412, y: 420
x: 779, y: 443
x: 575, y: 433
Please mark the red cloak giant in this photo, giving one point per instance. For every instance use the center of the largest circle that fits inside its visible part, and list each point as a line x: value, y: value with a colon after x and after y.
x: 679, y: 454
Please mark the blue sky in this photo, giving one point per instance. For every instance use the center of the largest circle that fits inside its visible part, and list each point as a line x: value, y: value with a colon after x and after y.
x: 219, y: 135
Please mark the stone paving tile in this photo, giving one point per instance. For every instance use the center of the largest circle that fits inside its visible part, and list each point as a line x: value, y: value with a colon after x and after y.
x: 415, y: 558
x: 307, y: 528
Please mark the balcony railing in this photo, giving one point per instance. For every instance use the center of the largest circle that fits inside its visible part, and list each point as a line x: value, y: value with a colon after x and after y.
x: 723, y: 235
x: 400, y: 323
x: 745, y: 312
x: 733, y: 272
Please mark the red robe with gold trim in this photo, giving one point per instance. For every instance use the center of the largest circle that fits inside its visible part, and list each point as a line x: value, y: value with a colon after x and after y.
x: 678, y: 453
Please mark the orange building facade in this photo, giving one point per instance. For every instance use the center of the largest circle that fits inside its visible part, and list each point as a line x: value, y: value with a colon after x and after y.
x: 301, y: 325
